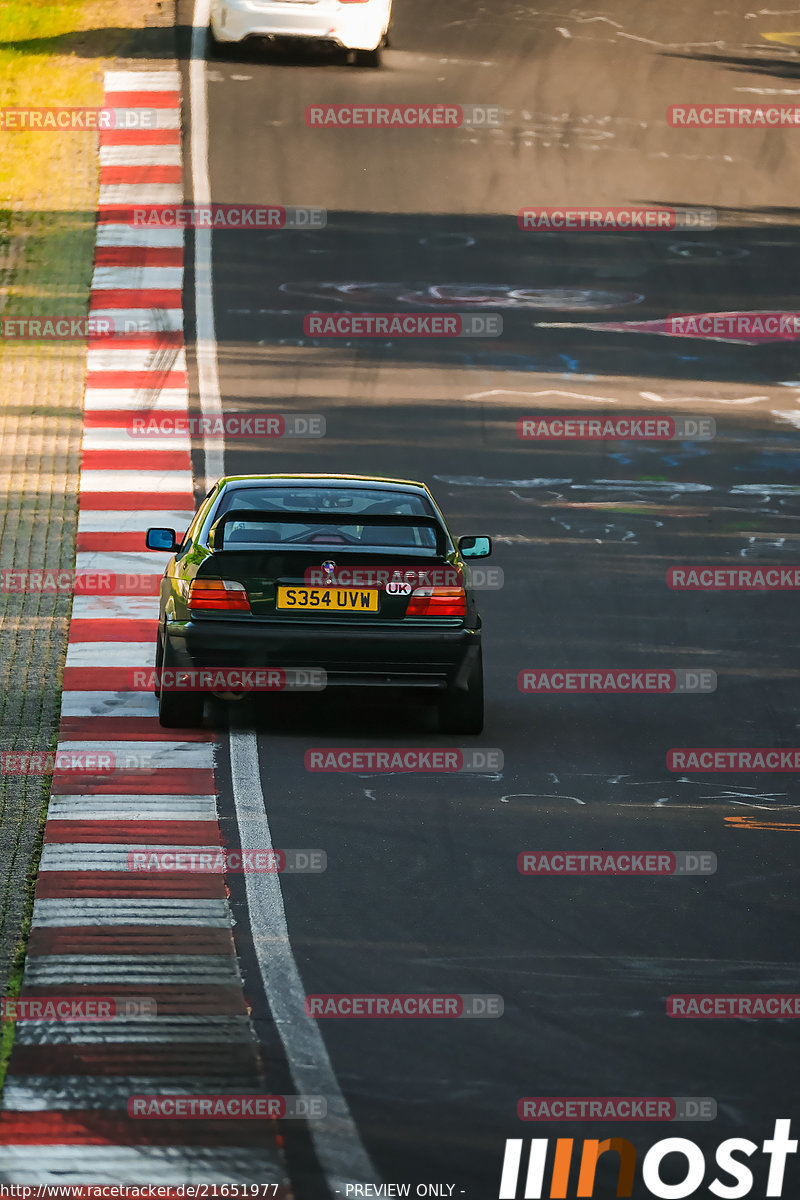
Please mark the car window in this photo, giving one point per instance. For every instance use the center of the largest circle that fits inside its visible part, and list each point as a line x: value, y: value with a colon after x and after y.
x: 347, y: 503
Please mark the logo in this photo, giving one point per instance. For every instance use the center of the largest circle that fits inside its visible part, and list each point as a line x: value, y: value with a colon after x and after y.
x: 329, y: 566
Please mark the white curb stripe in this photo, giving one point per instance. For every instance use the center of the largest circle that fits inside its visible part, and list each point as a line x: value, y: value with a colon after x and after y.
x: 140, y: 400
x: 141, y: 81
x: 140, y: 156
x: 179, y: 755
x: 136, y: 278
x: 124, y: 439
x: 107, y: 608
x: 109, y: 704
x: 135, y: 521
x: 132, y: 808
x: 112, y: 233
x: 143, y: 195
x: 96, y: 856
x: 140, y: 910
x: 152, y: 969
x: 135, y: 359
x: 135, y: 480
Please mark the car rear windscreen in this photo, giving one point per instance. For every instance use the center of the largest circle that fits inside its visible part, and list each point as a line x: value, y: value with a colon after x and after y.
x: 349, y: 503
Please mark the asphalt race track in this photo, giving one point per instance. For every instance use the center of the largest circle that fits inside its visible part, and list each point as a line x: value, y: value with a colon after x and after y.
x: 422, y: 891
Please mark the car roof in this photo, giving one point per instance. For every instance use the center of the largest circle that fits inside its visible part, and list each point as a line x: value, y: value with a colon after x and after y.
x: 333, y: 481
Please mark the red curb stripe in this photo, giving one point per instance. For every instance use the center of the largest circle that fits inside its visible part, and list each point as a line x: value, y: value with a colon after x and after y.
x: 113, y: 541
x: 200, y: 1058
x: 86, y: 1128
x: 136, y: 379
x: 166, y: 781
x: 140, y: 173
x: 130, y: 501
x: 136, y: 459
x: 131, y: 939
x: 140, y: 137
x: 161, y: 99
x: 122, y: 729
x: 138, y: 256
x: 174, y: 834
x: 122, y: 885
x: 112, y: 630
x: 102, y: 298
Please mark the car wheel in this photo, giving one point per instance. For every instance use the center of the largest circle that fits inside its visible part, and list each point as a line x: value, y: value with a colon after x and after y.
x: 178, y: 710
x: 369, y: 58
x: 213, y: 45
x: 461, y: 711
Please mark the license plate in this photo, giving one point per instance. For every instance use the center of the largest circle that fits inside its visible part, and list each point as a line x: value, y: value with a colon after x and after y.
x: 338, y: 600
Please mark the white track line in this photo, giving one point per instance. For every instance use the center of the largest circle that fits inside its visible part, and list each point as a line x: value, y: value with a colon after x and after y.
x: 132, y: 521
x: 341, y: 1153
x: 339, y: 1149
x: 206, y: 344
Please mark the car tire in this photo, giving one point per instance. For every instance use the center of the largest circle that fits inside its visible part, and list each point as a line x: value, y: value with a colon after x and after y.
x: 460, y: 710
x: 369, y: 58
x: 178, y: 710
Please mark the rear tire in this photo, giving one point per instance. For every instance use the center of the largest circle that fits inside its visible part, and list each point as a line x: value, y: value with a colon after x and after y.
x: 369, y: 58
x: 178, y: 710
x: 462, y: 711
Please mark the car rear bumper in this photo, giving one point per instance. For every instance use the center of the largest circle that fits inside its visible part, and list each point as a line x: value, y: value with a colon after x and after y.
x: 235, y: 20
x: 385, y: 658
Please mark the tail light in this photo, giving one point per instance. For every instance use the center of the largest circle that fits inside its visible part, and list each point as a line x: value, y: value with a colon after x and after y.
x: 437, y: 602
x: 218, y: 595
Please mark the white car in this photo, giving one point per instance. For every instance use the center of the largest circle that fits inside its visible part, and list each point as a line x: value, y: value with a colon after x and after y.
x: 360, y: 25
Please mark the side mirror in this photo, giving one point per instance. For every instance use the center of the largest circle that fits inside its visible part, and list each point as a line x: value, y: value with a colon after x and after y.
x: 160, y: 539
x: 475, y: 547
